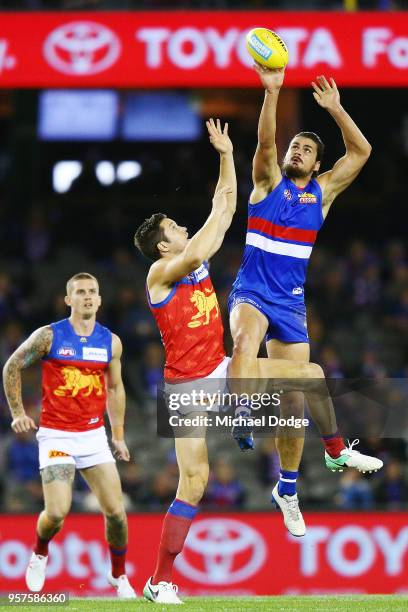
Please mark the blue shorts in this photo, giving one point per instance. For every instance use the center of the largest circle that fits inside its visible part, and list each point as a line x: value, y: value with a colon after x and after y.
x: 286, y: 323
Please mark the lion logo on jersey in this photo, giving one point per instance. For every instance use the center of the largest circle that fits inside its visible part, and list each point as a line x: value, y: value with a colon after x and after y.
x: 205, y: 304
x: 76, y: 381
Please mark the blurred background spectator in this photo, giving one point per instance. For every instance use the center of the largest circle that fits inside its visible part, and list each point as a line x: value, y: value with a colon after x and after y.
x: 357, y: 289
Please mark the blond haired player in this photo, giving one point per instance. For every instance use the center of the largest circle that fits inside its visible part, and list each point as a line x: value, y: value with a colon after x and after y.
x: 81, y: 376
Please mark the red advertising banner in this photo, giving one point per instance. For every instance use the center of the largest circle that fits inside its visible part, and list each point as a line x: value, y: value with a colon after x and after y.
x: 197, y: 49
x: 237, y: 554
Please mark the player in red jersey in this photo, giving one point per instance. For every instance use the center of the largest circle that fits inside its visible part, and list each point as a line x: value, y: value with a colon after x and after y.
x: 184, y: 304
x: 81, y: 376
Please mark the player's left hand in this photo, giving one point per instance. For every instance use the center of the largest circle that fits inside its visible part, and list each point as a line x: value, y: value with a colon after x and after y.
x: 218, y: 137
x: 120, y: 451
x: 326, y: 94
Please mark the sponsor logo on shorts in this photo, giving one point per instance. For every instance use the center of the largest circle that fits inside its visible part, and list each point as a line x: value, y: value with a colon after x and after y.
x: 54, y: 453
x: 307, y: 198
x: 297, y: 290
x: 66, y: 351
x: 92, y: 421
x: 244, y: 300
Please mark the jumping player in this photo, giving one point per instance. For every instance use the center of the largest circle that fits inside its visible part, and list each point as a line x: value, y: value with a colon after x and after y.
x: 81, y: 376
x: 177, y: 282
x: 184, y: 304
x: 287, y: 207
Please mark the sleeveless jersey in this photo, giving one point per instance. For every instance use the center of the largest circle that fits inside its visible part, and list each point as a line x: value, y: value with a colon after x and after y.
x: 73, y: 378
x: 190, y: 325
x: 281, y: 232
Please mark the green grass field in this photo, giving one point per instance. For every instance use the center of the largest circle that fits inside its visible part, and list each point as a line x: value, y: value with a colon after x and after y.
x: 377, y: 603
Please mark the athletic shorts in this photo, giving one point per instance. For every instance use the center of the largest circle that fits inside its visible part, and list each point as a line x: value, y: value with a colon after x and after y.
x: 80, y: 448
x: 286, y: 323
x: 214, y: 383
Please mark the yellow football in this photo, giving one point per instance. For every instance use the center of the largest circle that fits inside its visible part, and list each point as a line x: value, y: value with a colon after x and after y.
x: 267, y: 48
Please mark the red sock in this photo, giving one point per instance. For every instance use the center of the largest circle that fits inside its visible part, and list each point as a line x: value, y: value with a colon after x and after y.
x: 176, y: 526
x: 333, y: 444
x: 118, y: 560
x: 41, y: 546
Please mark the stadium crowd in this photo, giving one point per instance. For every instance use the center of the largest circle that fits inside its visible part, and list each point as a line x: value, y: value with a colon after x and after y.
x: 358, y: 321
x: 357, y: 296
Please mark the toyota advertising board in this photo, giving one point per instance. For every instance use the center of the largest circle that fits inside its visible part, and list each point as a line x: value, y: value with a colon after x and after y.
x: 197, y: 49
x: 233, y: 554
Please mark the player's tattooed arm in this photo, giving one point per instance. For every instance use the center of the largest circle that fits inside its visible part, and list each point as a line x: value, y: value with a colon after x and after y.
x: 32, y: 350
x: 63, y: 471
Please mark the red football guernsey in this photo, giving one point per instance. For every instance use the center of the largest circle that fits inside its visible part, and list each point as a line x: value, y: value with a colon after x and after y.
x: 190, y: 325
x: 73, y: 378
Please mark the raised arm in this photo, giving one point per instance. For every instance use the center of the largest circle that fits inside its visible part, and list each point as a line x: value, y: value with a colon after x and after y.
x: 266, y: 172
x: 32, y: 350
x: 221, y: 142
x: 117, y: 401
x: 166, y: 272
x: 358, y: 149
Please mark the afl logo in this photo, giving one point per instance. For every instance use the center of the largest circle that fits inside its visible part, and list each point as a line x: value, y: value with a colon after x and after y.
x: 221, y: 551
x: 66, y: 351
x: 82, y: 48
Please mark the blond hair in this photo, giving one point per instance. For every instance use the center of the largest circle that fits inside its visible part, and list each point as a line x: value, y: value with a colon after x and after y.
x: 80, y: 276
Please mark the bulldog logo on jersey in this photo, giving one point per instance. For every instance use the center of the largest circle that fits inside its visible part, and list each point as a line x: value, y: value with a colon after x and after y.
x: 76, y: 381
x: 205, y: 302
x: 307, y: 198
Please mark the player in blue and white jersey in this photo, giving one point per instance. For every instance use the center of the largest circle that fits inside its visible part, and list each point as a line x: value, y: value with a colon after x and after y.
x: 286, y: 209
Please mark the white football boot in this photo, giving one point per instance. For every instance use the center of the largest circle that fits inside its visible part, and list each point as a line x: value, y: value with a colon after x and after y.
x: 353, y: 459
x: 123, y: 588
x: 162, y: 593
x: 35, y: 572
x: 292, y: 516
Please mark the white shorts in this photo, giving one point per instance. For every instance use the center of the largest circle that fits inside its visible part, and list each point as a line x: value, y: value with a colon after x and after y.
x: 80, y: 448
x: 213, y: 383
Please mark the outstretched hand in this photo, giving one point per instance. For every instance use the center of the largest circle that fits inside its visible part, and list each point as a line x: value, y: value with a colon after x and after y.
x: 271, y: 79
x: 219, y: 137
x: 326, y: 94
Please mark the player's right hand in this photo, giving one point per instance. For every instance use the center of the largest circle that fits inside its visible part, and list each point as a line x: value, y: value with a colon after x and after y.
x: 271, y: 79
x: 23, y: 424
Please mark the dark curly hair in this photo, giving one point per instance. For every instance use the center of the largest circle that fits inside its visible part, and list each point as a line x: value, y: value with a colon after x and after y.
x: 319, y: 143
x: 149, y: 234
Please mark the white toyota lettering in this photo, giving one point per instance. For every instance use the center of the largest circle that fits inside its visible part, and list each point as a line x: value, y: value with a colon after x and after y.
x: 189, y: 47
x: 381, y: 41
x: 322, y: 543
